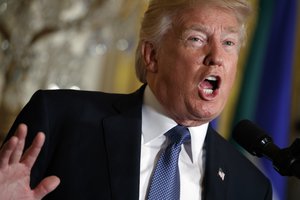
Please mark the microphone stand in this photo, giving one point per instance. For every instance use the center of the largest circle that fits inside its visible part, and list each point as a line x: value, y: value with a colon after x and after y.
x: 287, y: 161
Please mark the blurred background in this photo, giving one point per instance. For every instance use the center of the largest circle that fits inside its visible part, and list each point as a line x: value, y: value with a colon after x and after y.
x: 90, y: 45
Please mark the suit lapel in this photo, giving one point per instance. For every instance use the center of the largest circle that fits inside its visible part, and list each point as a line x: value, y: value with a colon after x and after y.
x: 215, y: 180
x: 123, y: 143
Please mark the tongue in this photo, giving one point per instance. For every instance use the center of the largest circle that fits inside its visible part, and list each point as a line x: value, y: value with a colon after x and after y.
x: 206, y: 84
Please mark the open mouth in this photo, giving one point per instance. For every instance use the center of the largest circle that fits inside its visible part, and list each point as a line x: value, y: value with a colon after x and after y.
x: 209, y: 86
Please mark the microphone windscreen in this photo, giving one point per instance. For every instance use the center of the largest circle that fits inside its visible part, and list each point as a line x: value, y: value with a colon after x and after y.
x: 249, y: 136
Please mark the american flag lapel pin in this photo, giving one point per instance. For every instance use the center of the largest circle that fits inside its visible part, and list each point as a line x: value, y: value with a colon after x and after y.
x: 221, y: 174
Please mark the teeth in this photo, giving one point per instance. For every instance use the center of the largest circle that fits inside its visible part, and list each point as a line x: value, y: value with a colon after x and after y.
x: 211, y: 78
x: 208, y: 91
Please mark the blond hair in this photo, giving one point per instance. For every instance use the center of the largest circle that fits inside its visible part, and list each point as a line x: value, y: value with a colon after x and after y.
x: 158, y: 18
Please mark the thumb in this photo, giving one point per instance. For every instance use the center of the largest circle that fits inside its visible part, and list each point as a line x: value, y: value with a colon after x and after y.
x: 46, y: 186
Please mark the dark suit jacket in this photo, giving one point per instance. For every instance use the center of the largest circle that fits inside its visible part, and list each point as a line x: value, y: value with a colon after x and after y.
x: 93, y: 143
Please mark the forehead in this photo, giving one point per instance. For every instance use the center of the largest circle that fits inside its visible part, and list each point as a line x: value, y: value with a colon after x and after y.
x: 207, y: 18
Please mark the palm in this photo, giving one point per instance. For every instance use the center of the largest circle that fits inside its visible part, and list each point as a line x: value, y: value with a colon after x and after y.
x: 15, y: 178
x: 15, y: 168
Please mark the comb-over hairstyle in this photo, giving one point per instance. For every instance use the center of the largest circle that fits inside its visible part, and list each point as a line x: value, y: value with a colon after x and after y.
x: 159, y: 17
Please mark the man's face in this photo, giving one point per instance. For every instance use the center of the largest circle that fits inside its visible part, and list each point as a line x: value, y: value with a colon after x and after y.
x: 192, y: 72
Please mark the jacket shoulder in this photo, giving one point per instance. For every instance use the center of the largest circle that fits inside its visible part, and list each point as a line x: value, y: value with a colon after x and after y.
x: 236, y: 159
x: 244, y: 180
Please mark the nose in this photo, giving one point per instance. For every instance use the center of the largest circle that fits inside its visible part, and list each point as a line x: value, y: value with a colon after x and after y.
x: 214, y: 55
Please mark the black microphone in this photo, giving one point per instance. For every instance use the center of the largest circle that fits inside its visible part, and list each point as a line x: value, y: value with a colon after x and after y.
x: 257, y: 142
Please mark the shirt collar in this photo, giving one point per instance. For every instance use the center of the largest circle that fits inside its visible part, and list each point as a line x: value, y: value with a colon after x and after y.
x: 155, y: 123
x: 198, y: 134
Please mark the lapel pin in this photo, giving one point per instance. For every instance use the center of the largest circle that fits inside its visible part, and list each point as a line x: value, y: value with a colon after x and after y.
x: 221, y: 174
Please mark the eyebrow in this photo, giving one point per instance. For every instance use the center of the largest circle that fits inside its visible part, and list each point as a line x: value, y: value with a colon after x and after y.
x: 206, y: 29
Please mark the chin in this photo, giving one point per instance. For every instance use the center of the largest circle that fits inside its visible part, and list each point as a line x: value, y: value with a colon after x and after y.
x: 209, y: 115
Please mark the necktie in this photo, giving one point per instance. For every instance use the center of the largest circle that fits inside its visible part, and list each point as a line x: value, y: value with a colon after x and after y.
x: 165, y: 182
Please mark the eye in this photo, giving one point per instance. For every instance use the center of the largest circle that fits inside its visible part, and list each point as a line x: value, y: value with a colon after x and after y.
x: 196, y: 41
x: 229, y: 43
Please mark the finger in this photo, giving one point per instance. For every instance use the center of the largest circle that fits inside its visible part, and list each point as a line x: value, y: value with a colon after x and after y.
x: 7, y: 150
x: 46, y: 186
x: 33, y: 151
x: 21, y: 133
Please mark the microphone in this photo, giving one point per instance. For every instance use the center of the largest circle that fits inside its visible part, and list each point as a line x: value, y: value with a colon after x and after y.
x: 257, y: 142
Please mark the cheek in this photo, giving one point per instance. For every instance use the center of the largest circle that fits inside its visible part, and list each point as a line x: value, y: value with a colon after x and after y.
x: 178, y: 71
x: 232, y: 76
x: 232, y: 69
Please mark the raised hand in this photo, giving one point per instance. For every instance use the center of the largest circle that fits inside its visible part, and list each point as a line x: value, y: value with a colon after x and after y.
x: 15, y: 168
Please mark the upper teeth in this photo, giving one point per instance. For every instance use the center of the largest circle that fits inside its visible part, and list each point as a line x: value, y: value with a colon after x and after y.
x: 211, y: 78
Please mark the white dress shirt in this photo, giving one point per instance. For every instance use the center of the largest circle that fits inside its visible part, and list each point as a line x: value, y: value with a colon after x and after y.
x: 154, y: 124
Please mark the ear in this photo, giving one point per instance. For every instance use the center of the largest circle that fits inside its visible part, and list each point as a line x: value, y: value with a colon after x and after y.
x: 149, y: 56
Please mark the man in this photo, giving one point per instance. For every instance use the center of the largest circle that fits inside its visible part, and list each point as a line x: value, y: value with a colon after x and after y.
x: 105, y: 146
